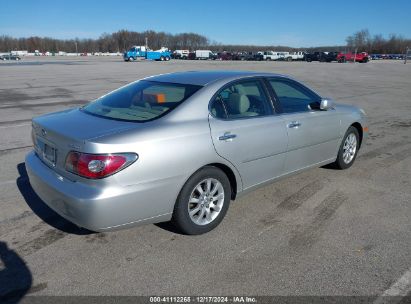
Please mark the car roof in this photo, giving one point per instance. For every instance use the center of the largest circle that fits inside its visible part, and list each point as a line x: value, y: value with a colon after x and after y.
x: 203, y: 78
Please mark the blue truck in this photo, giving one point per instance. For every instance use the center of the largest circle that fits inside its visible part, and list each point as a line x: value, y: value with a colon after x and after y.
x: 136, y: 52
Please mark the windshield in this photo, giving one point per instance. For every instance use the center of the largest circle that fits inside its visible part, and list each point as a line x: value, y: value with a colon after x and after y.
x: 141, y: 101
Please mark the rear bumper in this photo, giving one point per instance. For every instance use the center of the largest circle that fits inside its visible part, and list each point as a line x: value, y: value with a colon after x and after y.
x: 96, y: 208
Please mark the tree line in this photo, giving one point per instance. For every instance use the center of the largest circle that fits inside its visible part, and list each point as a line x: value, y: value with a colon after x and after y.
x: 114, y: 42
x: 123, y: 39
x: 363, y: 41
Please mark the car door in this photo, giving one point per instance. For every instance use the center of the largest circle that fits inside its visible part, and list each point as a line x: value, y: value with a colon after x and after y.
x: 313, y: 134
x: 246, y: 132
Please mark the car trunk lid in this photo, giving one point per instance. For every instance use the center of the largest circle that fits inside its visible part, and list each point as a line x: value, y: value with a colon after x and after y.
x: 56, y: 134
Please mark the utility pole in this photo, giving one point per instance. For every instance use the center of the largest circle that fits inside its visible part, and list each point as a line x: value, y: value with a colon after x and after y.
x: 76, y: 48
x: 146, y: 41
x: 406, y: 54
x: 355, y: 54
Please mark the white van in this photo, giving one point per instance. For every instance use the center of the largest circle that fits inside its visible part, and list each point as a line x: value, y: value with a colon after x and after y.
x: 203, y: 54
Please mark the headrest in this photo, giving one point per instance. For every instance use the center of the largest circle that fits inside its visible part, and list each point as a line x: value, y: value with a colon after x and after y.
x: 238, y: 103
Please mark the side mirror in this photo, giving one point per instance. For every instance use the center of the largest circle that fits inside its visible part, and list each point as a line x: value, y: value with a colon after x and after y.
x: 326, y: 104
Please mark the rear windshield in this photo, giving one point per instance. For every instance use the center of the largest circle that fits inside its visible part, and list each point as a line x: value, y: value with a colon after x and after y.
x: 141, y: 101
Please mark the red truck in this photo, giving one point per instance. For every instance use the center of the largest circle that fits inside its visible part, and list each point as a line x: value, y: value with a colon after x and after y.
x: 359, y: 57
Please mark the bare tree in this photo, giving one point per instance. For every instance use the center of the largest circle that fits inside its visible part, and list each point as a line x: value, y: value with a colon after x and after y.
x: 377, y: 44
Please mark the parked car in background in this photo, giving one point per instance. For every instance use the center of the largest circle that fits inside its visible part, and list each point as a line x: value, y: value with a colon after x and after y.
x: 256, y: 57
x: 192, y: 56
x: 396, y: 56
x: 224, y: 56
x: 203, y: 54
x: 328, y: 56
x: 180, y: 54
x: 238, y: 55
x: 270, y: 55
x: 181, y: 146
x: 284, y: 56
x: 362, y: 57
x: 321, y: 56
x: 242, y: 56
x: 293, y: 56
x: 213, y: 56
x: 312, y: 56
x: 10, y: 57
x: 250, y: 56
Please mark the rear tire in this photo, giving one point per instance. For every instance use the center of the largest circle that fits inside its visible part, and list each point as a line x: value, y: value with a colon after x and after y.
x: 348, y: 150
x: 162, y: 58
x: 203, y: 201
x: 167, y: 58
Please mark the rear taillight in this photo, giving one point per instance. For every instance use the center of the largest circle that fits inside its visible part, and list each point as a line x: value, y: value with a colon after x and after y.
x: 98, y: 165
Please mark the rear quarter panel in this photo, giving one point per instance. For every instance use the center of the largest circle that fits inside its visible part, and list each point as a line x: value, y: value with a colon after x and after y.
x: 169, y: 153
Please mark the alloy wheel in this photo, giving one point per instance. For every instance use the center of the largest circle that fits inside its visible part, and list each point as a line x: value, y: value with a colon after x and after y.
x: 206, y: 201
x: 349, y: 148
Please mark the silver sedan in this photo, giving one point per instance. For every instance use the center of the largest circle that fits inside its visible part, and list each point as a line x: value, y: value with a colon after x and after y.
x: 181, y: 146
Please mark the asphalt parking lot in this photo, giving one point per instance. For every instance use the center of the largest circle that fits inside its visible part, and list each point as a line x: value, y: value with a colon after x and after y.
x: 323, y: 232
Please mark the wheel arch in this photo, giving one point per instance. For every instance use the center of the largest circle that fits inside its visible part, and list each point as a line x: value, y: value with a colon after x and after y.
x: 234, y: 183
x: 231, y: 177
x: 235, y: 180
x: 358, y: 126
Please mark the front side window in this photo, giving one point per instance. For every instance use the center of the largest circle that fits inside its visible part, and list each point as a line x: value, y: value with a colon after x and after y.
x: 240, y: 100
x: 141, y: 101
x: 294, y: 97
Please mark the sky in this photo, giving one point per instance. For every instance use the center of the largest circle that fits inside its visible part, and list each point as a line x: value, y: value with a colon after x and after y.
x: 293, y: 23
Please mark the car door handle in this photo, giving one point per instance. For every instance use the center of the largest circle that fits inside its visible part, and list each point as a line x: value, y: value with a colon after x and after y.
x: 227, y: 136
x: 294, y: 124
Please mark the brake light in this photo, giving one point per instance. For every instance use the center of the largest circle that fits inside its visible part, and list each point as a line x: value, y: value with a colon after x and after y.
x: 96, y: 166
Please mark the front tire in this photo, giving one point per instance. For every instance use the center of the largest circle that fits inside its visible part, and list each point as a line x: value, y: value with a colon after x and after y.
x: 348, y: 149
x: 203, y: 201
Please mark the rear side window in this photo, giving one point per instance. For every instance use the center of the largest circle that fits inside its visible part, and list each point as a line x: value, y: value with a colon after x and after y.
x: 240, y: 100
x: 294, y: 97
x: 141, y: 101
